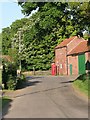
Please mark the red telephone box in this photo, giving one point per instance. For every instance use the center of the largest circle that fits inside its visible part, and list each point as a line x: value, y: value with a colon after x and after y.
x: 53, y: 69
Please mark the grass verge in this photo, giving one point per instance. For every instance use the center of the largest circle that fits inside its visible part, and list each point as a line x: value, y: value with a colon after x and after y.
x: 82, y: 84
x: 0, y: 77
x: 5, y: 101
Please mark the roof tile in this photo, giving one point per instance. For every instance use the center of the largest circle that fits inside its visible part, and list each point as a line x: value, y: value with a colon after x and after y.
x: 65, y: 42
x: 81, y: 48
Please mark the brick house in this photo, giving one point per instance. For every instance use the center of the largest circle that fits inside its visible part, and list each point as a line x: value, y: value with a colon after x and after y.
x: 79, y: 59
x: 62, y: 51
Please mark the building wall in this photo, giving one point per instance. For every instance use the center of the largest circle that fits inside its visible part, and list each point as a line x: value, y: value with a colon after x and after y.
x: 87, y: 54
x: 74, y: 61
x: 60, y: 60
x: 87, y: 60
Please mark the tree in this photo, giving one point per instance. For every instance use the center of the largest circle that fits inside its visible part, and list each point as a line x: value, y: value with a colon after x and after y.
x: 9, y: 32
x: 42, y: 37
x: 52, y: 23
x: 17, y: 24
x: 6, y: 40
x: 80, y: 15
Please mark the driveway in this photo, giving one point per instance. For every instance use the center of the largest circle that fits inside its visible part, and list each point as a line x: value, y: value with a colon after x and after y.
x: 47, y: 97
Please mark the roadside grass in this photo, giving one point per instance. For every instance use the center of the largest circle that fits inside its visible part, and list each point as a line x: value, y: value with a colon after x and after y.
x: 5, y: 101
x: 82, y: 84
x: 0, y: 77
x: 0, y: 104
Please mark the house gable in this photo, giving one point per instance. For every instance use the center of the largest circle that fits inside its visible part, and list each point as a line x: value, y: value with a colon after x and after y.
x: 80, y: 48
x: 72, y: 44
x: 65, y: 42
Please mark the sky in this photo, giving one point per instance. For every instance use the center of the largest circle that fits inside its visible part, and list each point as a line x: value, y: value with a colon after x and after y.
x: 9, y: 12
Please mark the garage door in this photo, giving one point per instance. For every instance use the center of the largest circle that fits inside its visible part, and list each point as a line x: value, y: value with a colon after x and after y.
x: 81, y: 63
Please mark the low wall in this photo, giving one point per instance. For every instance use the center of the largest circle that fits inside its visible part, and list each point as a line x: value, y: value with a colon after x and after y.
x: 37, y: 73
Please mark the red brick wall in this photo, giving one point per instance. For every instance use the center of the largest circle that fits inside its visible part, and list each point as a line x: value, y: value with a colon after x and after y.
x: 60, y: 60
x: 74, y: 61
x: 87, y: 55
x: 87, y: 58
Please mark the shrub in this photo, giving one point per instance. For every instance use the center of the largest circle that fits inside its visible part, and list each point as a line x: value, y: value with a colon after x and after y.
x: 9, y: 74
x: 4, y: 77
x: 22, y: 77
x: 11, y: 84
x: 20, y: 81
x: 11, y: 69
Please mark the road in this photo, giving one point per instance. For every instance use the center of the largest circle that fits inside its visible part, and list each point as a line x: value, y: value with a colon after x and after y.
x: 47, y: 97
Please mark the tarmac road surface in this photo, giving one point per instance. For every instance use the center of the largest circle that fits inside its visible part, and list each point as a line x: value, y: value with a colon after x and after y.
x: 47, y: 97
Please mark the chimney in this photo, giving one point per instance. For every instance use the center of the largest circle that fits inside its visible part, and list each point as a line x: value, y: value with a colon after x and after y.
x: 79, y: 34
x: 88, y: 43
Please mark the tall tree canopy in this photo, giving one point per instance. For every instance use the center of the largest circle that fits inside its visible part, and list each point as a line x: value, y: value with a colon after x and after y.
x: 52, y: 23
x: 9, y: 32
x: 80, y: 11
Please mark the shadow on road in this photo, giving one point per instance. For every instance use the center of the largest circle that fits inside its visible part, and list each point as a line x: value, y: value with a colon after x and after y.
x: 6, y: 107
x: 28, y: 82
x: 70, y: 81
x: 32, y: 77
x: 32, y: 83
x: 39, y: 91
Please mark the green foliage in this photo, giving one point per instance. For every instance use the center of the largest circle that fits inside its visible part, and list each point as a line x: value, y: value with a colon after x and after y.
x: 0, y: 43
x: 52, y: 23
x: 9, y: 74
x: 84, y: 77
x: 81, y: 13
x: 5, y: 101
x: 6, y: 40
x: 0, y: 77
x: 82, y: 83
x: 11, y: 69
x: 4, y: 77
x: 12, y: 52
x: 17, y: 24
x: 83, y: 86
x: 20, y: 80
x: 9, y: 32
x: 11, y: 83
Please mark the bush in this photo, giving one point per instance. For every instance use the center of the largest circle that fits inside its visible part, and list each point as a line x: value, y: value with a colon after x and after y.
x: 22, y: 77
x: 11, y: 69
x: 4, y: 77
x: 20, y: 81
x: 11, y: 84
x: 9, y: 74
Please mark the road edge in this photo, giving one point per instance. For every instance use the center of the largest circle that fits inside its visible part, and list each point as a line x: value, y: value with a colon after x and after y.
x: 79, y: 93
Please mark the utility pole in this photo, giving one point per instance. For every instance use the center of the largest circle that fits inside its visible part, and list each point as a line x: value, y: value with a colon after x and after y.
x: 67, y: 61
x: 20, y: 48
